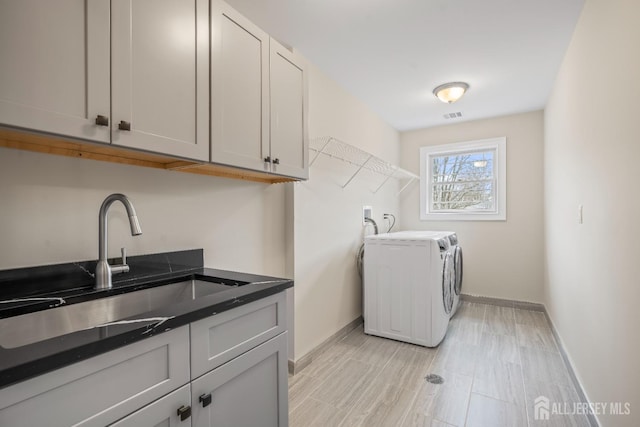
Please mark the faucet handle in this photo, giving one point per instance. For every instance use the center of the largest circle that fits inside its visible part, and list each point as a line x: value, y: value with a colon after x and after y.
x: 123, y: 251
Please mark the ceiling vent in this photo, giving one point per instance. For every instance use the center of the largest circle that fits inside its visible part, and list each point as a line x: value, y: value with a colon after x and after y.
x: 453, y: 115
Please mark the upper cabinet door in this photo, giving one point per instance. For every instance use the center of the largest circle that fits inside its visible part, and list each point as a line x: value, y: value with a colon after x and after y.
x: 239, y: 91
x: 160, y: 76
x: 54, y: 72
x: 289, y: 141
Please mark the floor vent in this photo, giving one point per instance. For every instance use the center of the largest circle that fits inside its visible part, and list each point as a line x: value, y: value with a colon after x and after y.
x: 434, y: 379
x: 453, y: 115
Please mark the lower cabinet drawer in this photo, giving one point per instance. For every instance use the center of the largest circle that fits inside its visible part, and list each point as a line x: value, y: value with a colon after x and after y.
x: 103, y: 389
x: 164, y: 412
x: 220, y: 338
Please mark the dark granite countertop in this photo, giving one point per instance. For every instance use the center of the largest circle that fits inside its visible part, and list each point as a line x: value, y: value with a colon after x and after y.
x: 72, y: 283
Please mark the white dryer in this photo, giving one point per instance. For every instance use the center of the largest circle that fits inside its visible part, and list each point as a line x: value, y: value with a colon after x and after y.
x: 409, y: 286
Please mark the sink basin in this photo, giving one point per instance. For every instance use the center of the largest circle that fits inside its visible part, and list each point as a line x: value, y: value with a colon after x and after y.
x: 30, y: 328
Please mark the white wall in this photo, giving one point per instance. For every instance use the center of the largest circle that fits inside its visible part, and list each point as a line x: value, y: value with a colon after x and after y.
x: 328, y: 224
x: 592, y: 285
x: 49, y: 213
x: 502, y: 259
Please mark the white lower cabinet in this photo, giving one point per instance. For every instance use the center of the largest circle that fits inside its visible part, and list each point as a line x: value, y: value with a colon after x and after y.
x: 242, y: 383
x: 103, y: 389
x: 248, y: 391
x: 173, y: 410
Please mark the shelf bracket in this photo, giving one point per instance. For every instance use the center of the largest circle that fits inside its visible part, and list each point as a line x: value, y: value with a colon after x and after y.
x: 320, y: 151
x: 358, y: 171
x: 386, y: 179
x: 406, y: 185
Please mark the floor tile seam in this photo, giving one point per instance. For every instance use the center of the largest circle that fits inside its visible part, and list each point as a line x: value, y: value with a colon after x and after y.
x: 502, y: 400
x: 343, y: 362
x: 414, y: 364
x: 378, y: 371
x: 484, y: 318
x: 469, y: 319
x: 340, y: 362
x: 536, y: 323
x: 542, y: 329
x: 378, y: 366
x: 513, y: 404
x: 516, y: 404
x: 555, y: 383
x: 406, y: 413
x: 473, y: 379
x: 554, y: 354
x: 335, y: 407
x: 540, y: 347
x: 291, y: 410
x: 524, y: 388
x: 417, y: 393
x: 355, y: 347
x: 329, y: 404
x: 522, y: 341
x: 313, y: 390
x: 407, y: 409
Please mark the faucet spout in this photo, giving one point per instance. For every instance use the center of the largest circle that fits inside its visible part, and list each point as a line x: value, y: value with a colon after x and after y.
x: 103, y: 270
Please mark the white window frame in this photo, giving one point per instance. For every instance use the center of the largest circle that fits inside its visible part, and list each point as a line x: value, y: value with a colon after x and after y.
x: 500, y: 174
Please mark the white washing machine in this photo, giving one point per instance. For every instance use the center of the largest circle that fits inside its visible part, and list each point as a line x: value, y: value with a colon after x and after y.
x: 450, y: 244
x: 409, y: 286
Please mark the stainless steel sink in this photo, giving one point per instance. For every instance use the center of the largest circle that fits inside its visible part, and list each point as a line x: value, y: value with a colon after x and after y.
x: 30, y: 328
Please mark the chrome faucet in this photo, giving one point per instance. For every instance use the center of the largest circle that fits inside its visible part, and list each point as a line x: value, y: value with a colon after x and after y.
x: 104, y: 271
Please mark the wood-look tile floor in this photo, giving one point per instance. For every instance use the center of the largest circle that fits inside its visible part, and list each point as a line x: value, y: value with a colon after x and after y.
x: 494, y: 360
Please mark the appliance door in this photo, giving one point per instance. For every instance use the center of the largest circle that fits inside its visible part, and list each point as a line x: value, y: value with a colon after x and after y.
x: 457, y: 262
x: 448, y: 277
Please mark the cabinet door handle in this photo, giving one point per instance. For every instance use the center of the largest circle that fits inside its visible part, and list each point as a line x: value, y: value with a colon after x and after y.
x: 124, y: 125
x: 102, y: 120
x: 267, y: 159
x: 205, y: 399
x: 184, y: 412
x: 276, y: 161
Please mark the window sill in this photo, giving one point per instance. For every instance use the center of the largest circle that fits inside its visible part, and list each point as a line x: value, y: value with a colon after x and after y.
x: 448, y: 216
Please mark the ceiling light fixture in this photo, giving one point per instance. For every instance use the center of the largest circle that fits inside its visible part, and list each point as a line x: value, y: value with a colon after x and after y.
x: 450, y: 92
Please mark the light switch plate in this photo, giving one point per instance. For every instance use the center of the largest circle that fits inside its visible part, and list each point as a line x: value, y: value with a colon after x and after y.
x: 580, y: 207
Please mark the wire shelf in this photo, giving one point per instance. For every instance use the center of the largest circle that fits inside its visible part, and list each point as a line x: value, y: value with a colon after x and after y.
x: 339, y: 150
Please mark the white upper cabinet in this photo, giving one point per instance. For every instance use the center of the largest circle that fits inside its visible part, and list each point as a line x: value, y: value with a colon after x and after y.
x: 138, y: 74
x: 258, y: 98
x: 160, y: 76
x: 131, y: 72
x: 239, y: 90
x: 54, y: 66
x: 288, y: 95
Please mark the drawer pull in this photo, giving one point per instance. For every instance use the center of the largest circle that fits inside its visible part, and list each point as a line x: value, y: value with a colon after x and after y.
x: 267, y: 159
x: 184, y: 412
x: 124, y: 125
x: 205, y: 399
x: 276, y: 161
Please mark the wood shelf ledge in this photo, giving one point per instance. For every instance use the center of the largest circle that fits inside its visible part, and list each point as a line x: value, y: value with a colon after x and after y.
x: 41, y: 143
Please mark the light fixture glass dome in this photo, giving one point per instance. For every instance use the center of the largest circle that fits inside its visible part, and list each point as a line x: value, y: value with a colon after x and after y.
x: 450, y: 92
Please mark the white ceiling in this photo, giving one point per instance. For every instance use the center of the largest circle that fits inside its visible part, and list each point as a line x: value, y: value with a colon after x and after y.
x: 392, y: 53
